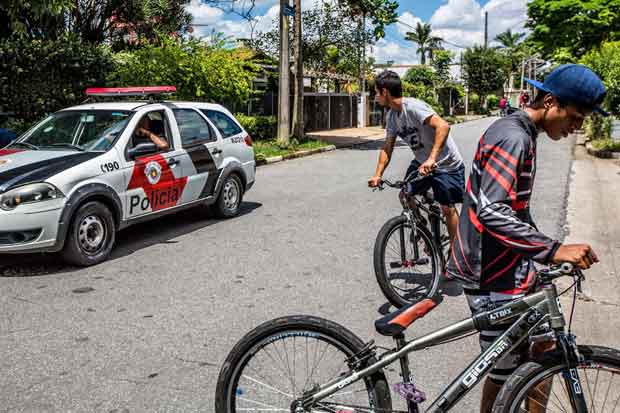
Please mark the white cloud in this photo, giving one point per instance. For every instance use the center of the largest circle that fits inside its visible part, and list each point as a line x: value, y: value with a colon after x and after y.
x: 384, y: 51
x: 410, y: 21
x: 202, y: 13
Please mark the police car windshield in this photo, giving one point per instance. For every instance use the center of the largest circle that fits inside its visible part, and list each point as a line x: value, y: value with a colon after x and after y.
x: 92, y: 130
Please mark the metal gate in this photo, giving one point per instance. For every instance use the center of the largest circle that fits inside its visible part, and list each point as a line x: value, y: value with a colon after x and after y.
x: 324, y: 111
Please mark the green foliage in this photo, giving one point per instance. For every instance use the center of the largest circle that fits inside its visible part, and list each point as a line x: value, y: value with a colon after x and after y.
x: 40, y: 18
x: 441, y: 63
x: 492, y: 101
x: 41, y: 76
x: 260, y: 128
x: 420, y: 75
x: 198, y: 71
x: 331, y: 40
x: 380, y: 12
x: 485, y: 70
x: 597, y: 127
x: 606, y: 63
x: 474, y: 103
x: 606, y: 145
x: 422, y: 92
x: 574, y: 26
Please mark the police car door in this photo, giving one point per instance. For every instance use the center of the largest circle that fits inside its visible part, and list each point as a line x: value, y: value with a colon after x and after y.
x: 155, y: 181
x: 204, y: 151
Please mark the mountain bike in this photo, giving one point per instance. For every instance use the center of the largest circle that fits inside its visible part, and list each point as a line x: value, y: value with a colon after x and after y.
x: 302, y: 364
x: 412, y: 248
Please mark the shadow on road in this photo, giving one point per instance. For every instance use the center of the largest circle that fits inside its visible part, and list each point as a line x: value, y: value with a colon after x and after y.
x: 159, y: 231
x: 446, y: 288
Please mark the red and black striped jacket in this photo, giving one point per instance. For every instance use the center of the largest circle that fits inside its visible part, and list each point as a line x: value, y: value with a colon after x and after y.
x: 496, y: 239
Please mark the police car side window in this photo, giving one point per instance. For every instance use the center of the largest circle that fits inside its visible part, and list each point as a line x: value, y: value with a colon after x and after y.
x: 223, y: 123
x: 155, y: 122
x: 193, y: 128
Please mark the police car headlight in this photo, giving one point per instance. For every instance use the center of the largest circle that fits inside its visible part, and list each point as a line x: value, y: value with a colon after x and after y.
x: 28, y: 194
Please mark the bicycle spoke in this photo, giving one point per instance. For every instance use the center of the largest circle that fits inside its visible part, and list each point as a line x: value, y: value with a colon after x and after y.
x: 268, y: 386
x: 607, y: 393
x: 271, y: 408
x: 594, y: 392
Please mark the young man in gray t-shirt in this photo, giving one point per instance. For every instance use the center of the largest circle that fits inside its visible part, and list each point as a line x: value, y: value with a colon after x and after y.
x: 428, y: 136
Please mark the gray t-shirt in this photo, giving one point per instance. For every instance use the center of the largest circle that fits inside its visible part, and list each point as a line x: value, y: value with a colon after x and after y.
x: 408, y: 125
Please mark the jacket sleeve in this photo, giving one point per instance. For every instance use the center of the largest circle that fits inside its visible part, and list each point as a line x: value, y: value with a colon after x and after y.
x: 500, y: 165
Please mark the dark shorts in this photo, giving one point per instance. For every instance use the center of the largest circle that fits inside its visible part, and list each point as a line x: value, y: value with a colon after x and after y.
x: 448, y: 187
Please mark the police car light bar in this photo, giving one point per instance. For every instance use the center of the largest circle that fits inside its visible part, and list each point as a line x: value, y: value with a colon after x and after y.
x: 130, y: 91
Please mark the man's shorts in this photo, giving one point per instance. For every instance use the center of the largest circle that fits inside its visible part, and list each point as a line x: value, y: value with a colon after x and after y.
x: 448, y: 187
x: 480, y: 301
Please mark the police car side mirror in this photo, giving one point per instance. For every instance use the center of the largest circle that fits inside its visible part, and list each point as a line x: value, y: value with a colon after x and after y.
x: 142, y: 149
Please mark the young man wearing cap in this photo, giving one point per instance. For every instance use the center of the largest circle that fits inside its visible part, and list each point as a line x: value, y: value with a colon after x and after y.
x: 428, y: 136
x: 497, y: 240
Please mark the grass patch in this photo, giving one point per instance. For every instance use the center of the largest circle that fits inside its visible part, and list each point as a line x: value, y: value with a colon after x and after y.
x: 606, y: 145
x: 268, y: 149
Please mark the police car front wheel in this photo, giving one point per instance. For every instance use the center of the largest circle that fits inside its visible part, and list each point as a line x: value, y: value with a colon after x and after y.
x: 91, y: 235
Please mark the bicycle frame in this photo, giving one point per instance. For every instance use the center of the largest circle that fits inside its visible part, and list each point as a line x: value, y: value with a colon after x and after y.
x: 530, y: 312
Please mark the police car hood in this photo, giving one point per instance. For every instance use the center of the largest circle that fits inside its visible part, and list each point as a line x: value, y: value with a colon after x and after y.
x: 19, y: 167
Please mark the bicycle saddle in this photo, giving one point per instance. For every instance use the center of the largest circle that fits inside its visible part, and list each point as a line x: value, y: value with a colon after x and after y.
x: 398, y: 321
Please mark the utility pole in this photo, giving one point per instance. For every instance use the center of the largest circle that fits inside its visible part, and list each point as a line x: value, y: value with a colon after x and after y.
x: 283, y: 89
x: 298, y: 103
x: 362, y: 102
x: 486, y: 29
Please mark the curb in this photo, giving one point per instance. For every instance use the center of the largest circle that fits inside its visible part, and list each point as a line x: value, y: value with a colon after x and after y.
x: 294, y: 155
x: 604, y: 154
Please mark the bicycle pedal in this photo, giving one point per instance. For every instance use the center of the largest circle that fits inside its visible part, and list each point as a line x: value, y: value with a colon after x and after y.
x: 410, y: 392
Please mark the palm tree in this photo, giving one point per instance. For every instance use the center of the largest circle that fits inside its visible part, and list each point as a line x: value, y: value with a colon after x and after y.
x: 508, y: 39
x: 426, y: 42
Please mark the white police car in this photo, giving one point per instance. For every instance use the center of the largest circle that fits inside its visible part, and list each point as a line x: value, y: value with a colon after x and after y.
x: 73, y: 180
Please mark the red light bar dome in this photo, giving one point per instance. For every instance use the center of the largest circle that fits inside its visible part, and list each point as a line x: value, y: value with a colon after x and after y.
x: 130, y: 91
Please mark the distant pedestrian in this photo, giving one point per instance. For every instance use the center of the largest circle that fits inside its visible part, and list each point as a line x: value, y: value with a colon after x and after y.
x: 503, y: 102
x: 524, y: 100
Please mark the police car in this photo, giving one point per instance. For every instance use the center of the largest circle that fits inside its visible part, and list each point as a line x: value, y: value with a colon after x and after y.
x: 76, y: 178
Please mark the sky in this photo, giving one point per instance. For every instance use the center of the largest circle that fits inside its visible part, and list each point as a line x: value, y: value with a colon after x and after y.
x: 459, y: 22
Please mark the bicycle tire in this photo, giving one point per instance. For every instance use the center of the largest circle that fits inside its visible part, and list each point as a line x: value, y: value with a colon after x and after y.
x: 531, y: 374
x: 383, y: 278
x: 270, y: 332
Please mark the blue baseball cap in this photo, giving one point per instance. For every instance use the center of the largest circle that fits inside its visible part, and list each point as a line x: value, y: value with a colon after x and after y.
x: 574, y: 84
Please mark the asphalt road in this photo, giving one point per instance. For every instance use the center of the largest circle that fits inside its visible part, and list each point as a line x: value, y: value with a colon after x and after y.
x: 149, y: 329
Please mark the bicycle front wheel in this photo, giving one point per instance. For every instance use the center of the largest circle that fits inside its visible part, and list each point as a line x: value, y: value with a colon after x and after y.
x: 538, y: 387
x: 283, y: 359
x: 407, y: 265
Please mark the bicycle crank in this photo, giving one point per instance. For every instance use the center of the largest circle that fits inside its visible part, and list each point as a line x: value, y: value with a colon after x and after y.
x: 409, y: 263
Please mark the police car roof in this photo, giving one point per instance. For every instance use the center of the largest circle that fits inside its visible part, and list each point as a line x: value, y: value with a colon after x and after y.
x: 134, y: 105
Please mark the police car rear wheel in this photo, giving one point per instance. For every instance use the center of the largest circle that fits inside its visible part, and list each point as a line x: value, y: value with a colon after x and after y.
x: 229, y: 200
x: 91, y: 235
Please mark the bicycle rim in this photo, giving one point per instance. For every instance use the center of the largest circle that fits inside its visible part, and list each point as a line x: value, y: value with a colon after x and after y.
x: 600, y: 384
x: 283, y: 366
x: 410, y: 278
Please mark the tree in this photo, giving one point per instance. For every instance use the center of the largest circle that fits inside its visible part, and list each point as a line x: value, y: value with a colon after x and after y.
x: 484, y: 69
x: 441, y: 63
x: 420, y: 75
x: 573, y: 26
x: 380, y: 12
x: 509, y: 40
x: 426, y: 42
x: 95, y: 21
x: 330, y: 41
x: 606, y: 63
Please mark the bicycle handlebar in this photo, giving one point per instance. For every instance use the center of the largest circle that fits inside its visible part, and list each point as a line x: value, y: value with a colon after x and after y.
x: 400, y: 184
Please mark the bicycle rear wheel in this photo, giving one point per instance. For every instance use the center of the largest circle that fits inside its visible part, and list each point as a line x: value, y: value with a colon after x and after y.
x: 280, y: 360
x: 538, y: 387
x: 407, y: 270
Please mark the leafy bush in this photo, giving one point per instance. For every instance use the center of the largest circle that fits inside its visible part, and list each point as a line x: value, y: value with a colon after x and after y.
x: 606, y: 62
x: 422, y: 92
x: 607, y: 145
x: 597, y: 127
x: 474, y: 103
x: 38, y: 77
x: 260, y: 128
x: 420, y: 74
x: 199, y: 71
x: 492, y: 101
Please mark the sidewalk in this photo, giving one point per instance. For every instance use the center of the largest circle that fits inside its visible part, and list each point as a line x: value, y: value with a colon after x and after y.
x: 346, y: 138
x: 593, y: 216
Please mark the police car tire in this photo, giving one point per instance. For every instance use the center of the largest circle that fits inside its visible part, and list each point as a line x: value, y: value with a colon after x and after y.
x: 219, y: 208
x: 72, y: 252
